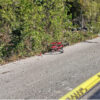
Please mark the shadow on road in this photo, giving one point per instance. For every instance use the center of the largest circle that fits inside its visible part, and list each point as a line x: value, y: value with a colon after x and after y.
x: 90, y: 42
x: 96, y: 95
x: 52, y: 53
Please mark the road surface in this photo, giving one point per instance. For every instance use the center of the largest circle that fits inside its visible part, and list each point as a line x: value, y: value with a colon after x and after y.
x: 50, y: 76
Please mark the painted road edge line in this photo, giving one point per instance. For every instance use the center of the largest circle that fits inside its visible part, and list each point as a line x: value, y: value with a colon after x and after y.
x: 82, y: 89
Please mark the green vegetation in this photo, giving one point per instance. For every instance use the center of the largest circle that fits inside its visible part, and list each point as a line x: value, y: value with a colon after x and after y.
x: 27, y: 26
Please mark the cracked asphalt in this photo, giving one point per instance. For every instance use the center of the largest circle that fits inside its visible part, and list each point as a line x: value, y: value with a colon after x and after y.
x: 50, y: 76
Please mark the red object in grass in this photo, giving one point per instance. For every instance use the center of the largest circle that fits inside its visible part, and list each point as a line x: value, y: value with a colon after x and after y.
x: 53, y: 47
x: 53, y: 43
x: 56, y: 46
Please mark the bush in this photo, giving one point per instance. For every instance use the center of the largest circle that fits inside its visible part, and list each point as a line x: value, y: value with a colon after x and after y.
x: 27, y: 26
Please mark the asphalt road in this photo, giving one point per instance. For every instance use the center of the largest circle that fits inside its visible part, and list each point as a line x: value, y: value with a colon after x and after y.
x: 50, y: 76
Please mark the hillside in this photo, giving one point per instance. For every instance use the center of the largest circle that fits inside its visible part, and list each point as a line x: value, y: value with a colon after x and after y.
x: 27, y: 26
